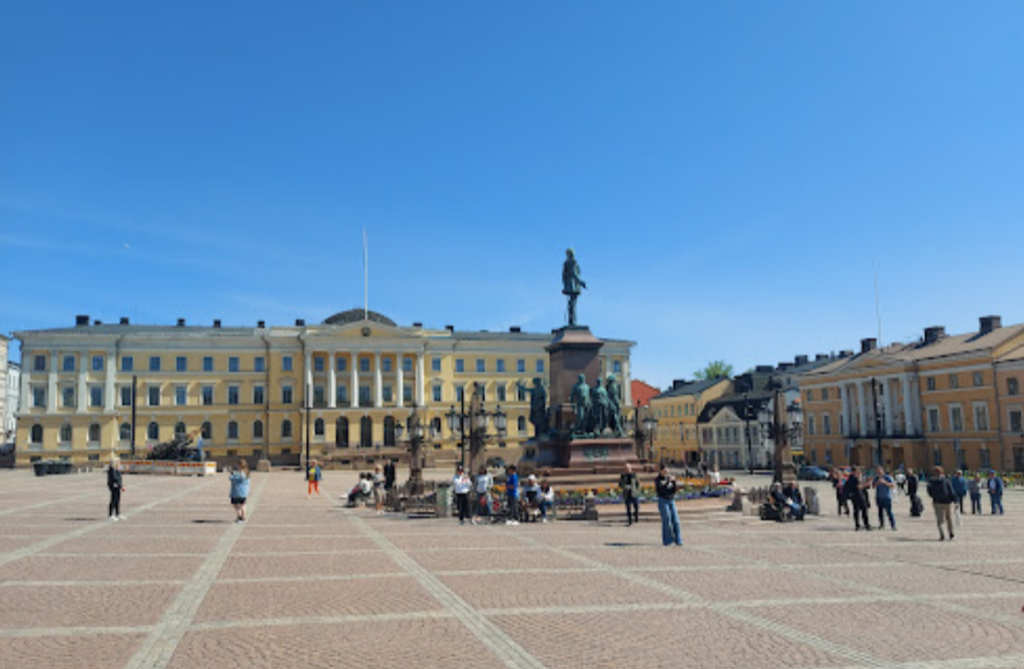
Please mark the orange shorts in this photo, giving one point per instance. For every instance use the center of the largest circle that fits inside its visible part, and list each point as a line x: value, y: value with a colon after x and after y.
x: 313, y: 485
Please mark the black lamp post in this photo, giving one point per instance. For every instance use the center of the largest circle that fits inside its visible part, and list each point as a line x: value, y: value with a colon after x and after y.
x: 477, y: 420
x: 748, y: 410
x: 416, y: 438
x: 878, y: 420
x: 650, y: 425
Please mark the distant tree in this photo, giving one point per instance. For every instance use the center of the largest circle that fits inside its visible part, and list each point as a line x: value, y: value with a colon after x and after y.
x: 714, y: 370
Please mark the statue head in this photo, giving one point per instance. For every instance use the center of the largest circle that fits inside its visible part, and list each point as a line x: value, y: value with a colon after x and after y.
x: 611, y: 377
x: 537, y: 381
x: 597, y: 383
x: 581, y: 378
x: 569, y: 253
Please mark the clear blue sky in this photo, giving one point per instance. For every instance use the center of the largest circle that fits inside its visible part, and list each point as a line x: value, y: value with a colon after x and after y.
x: 727, y: 172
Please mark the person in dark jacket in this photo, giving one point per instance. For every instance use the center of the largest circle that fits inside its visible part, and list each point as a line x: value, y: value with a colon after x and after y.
x: 665, y: 486
x: 854, y: 489
x: 959, y: 484
x: 630, y: 486
x: 943, y: 498
x: 837, y: 479
x: 115, y: 484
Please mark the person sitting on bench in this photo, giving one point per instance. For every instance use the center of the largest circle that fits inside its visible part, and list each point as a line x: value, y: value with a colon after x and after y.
x: 547, y: 500
x: 531, y: 498
x: 780, y: 501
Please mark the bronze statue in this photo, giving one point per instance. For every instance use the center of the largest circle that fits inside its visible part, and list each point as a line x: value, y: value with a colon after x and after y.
x: 538, y: 406
x: 599, y: 410
x: 615, y: 399
x: 580, y: 399
x: 572, y: 284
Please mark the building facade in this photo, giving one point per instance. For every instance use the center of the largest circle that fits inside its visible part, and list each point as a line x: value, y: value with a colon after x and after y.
x: 677, y: 409
x: 4, y: 404
x: 254, y: 392
x: 12, y: 402
x: 945, y: 400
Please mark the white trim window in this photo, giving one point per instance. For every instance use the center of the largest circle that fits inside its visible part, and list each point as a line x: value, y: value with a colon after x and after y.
x: 934, y: 422
x: 956, y: 418
x: 981, y: 416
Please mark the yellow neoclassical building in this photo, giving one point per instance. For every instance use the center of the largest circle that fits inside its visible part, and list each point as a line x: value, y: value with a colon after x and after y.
x: 246, y: 389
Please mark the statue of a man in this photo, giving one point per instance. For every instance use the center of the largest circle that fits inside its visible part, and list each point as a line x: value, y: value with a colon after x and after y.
x: 615, y: 399
x: 572, y: 284
x: 600, y: 408
x: 580, y: 399
x: 538, y: 406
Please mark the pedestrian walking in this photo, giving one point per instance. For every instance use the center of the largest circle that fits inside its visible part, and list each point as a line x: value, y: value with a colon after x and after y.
x: 484, y: 483
x: 115, y: 484
x: 943, y: 498
x: 854, y: 489
x: 512, y: 495
x: 901, y: 481
x: 629, y: 483
x: 995, y: 491
x: 461, y: 485
x: 239, y: 479
x: 885, y: 487
x: 959, y: 484
x: 974, y: 488
x: 314, y: 474
x: 665, y: 486
x: 389, y: 475
x: 837, y: 479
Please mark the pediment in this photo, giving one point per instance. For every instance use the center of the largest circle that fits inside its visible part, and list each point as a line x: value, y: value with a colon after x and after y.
x: 363, y: 330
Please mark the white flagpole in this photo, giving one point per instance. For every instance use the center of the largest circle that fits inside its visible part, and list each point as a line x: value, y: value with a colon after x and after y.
x: 366, y: 278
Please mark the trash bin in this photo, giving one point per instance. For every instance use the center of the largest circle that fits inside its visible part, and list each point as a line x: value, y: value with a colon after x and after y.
x: 52, y: 467
x: 65, y: 467
x: 444, y: 500
x: 40, y: 467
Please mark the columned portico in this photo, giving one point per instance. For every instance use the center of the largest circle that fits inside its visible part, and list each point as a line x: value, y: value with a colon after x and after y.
x: 378, y: 381
x: 109, y: 391
x: 400, y: 380
x: 353, y: 392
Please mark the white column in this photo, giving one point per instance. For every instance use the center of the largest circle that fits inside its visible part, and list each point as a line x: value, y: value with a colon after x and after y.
x: 400, y: 397
x: 332, y: 380
x: 353, y: 392
x: 378, y: 390
x: 862, y: 410
x: 908, y: 411
x: 844, y: 395
x: 627, y: 385
x: 307, y: 392
x: 51, y: 385
x: 26, y: 370
x: 80, y: 393
x: 888, y: 408
x: 420, y: 377
x: 109, y: 390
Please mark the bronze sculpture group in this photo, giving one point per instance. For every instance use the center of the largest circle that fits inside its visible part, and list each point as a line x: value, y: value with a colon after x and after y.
x: 597, y: 409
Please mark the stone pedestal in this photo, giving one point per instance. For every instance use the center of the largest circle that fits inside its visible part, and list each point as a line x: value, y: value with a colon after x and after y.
x: 609, y: 453
x: 263, y: 465
x: 572, y: 352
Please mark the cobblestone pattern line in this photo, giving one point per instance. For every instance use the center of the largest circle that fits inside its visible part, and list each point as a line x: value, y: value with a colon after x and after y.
x: 159, y: 646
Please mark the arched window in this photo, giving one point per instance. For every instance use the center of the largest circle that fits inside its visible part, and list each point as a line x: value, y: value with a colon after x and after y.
x: 341, y: 432
x: 36, y: 436
x: 521, y: 422
x: 65, y: 432
x: 389, y: 431
x: 232, y: 430
x: 286, y: 429
x: 366, y: 432
x: 94, y: 432
x: 179, y: 430
x: 318, y: 427
x: 257, y: 429
x: 207, y: 430
x: 126, y: 431
x: 153, y: 431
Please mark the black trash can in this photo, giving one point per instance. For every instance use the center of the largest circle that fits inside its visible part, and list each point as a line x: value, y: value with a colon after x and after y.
x: 40, y: 468
x: 65, y: 467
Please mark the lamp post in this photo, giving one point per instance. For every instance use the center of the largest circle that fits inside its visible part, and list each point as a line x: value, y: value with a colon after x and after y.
x: 747, y: 411
x: 878, y: 420
x: 477, y: 420
x: 416, y: 434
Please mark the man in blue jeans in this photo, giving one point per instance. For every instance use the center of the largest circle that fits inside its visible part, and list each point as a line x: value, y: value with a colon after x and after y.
x: 995, y: 492
x: 666, y: 489
x: 884, y: 486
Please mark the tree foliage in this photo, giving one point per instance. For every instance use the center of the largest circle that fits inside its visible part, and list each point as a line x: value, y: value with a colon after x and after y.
x: 714, y: 370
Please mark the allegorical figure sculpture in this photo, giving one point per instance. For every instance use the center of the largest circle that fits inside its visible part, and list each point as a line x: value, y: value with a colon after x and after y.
x: 572, y: 284
x: 538, y: 406
x: 600, y: 407
x: 580, y: 399
x: 615, y: 400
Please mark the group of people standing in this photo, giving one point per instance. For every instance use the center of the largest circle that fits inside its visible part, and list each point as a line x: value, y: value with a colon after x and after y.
x: 947, y: 495
x: 520, y: 501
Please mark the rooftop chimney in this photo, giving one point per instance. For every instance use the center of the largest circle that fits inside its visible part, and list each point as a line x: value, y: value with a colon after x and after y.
x: 820, y: 356
x: 934, y: 334
x: 124, y: 320
x: 216, y: 323
x: 181, y: 322
x: 450, y: 328
x: 869, y: 344
x: 261, y: 324
x: 678, y: 383
x: 783, y: 366
x: 81, y: 319
x: 764, y: 369
x: 417, y: 325
x: 97, y: 322
x: 990, y: 323
x: 800, y: 360
x: 846, y: 354
x: 300, y: 322
x: 515, y: 328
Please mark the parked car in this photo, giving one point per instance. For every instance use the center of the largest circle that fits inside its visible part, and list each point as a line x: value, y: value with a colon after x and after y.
x: 810, y: 473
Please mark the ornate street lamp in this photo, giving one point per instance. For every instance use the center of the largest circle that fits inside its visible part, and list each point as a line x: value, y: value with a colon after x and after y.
x: 477, y: 420
x: 416, y: 438
x: 650, y: 425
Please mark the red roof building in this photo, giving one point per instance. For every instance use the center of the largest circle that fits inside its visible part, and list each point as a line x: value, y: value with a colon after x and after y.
x: 642, y: 392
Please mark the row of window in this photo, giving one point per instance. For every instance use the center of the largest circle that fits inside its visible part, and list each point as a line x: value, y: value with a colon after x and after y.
x: 956, y: 420
x: 674, y: 411
x: 984, y: 457
x: 931, y: 384
x: 66, y: 431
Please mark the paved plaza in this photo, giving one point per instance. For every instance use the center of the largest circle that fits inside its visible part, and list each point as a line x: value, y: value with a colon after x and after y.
x: 307, y: 583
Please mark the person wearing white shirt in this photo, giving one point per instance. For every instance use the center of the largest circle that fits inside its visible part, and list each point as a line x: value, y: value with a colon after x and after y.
x: 484, y: 483
x: 461, y: 485
x: 547, y: 500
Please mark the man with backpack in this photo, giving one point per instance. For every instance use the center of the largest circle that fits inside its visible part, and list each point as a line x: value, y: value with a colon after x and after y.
x: 943, y: 498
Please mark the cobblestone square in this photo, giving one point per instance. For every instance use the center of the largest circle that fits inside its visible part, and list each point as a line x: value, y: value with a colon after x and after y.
x: 308, y: 583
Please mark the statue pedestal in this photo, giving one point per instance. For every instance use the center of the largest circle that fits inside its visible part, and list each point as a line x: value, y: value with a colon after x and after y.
x: 602, y: 454
x: 572, y: 352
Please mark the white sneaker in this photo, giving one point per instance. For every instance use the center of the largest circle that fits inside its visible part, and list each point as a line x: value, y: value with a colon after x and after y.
x: 543, y: 520
x: 113, y: 517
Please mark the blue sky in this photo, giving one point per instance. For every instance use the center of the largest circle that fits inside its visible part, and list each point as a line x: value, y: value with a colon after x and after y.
x: 728, y: 172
